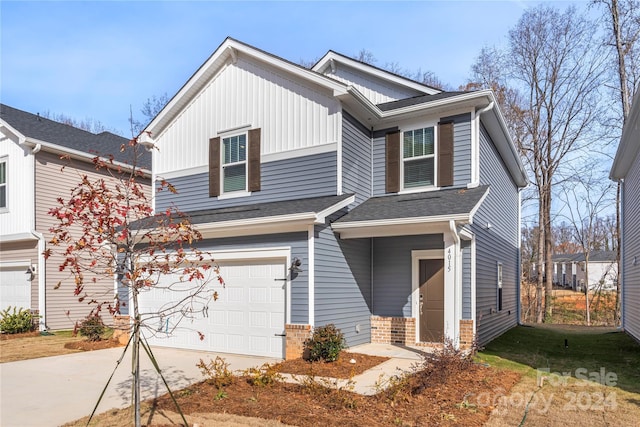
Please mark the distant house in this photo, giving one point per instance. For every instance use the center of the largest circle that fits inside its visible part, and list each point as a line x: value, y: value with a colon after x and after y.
x: 30, y: 182
x: 569, y: 270
x: 343, y: 194
x: 626, y: 169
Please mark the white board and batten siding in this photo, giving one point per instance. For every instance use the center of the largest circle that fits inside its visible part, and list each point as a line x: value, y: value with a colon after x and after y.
x: 631, y: 251
x: 292, y: 115
x: 247, y: 318
x: 376, y: 90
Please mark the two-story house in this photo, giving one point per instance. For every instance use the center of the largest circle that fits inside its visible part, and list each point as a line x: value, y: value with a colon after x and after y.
x: 341, y: 194
x: 33, y: 151
x: 626, y: 170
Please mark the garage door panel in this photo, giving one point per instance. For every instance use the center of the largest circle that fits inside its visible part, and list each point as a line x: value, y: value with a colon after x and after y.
x: 15, y: 289
x: 246, y: 317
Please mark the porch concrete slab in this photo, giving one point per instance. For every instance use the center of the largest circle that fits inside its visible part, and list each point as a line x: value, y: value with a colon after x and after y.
x: 390, y: 350
x: 51, y: 391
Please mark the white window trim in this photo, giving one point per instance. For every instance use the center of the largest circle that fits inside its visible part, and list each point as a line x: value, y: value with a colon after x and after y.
x: 236, y: 193
x: 5, y: 160
x: 408, y: 190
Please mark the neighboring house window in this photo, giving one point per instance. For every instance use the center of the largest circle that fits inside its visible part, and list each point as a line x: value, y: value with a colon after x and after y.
x: 234, y: 164
x: 414, y: 159
x: 418, y: 158
x: 3, y: 183
x: 499, y: 302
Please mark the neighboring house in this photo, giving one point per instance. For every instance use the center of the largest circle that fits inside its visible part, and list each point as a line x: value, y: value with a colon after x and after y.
x: 343, y: 194
x: 569, y: 271
x: 31, y: 180
x: 626, y: 170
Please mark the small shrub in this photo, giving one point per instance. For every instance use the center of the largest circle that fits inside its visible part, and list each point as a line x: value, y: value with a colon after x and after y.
x: 265, y: 375
x: 326, y: 343
x: 216, y: 372
x: 92, y: 328
x: 17, y: 322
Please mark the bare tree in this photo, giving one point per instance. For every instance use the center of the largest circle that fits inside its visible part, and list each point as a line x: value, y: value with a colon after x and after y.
x: 622, y: 22
x: 88, y: 124
x: 553, y: 61
x: 586, y: 196
x: 151, y: 107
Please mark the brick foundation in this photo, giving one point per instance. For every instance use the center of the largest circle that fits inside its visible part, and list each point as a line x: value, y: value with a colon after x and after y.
x: 466, y: 334
x: 121, y: 329
x: 296, y: 336
x: 393, y: 330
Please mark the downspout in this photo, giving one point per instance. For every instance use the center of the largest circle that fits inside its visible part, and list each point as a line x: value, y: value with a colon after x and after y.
x: 42, y: 270
x: 519, y: 262
x: 457, y: 283
x: 621, y: 276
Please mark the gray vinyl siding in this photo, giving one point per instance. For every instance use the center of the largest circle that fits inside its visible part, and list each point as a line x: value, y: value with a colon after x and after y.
x: 343, y: 284
x: 307, y: 176
x: 356, y: 159
x: 466, y: 279
x: 461, y: 148
x: 631, y: 250
x: 392, y: 271
x: 299, y: 248
x: 461, y: 154
x: 499, y: 243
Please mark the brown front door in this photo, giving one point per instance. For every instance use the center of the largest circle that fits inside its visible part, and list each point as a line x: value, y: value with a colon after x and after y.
x: 431, y: 303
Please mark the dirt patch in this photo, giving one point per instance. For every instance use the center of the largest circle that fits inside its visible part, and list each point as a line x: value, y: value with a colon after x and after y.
x: 85, y: 345
x: 341, y: 368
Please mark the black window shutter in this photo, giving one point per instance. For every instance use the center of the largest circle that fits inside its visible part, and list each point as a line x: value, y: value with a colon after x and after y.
x: 214, y: 167
x: 445, y: 154
x: 254, y: 160
x: 393, y: 162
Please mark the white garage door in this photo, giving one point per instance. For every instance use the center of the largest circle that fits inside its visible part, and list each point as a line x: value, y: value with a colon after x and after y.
x: 248, y: 317
x: 15, y: 289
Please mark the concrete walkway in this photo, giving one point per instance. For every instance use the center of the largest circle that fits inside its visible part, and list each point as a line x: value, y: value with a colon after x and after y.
x: 51, y: 391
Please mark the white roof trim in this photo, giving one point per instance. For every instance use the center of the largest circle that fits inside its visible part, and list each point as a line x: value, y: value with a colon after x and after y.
x: 339, y: 226
x: 230, y: 50
x: 629, y: 143
x: 331, y: 58
x: 81, y: 155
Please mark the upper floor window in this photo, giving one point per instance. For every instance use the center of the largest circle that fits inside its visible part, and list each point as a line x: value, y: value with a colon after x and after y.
x: 418, y: 159
x: 3, y: 183
x: 234, y: 163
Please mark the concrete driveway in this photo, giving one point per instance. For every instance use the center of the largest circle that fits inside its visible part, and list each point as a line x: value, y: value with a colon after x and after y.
x: 51, y: 391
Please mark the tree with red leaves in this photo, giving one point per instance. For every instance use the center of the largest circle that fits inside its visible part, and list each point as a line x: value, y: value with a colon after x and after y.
x: 107, y: 229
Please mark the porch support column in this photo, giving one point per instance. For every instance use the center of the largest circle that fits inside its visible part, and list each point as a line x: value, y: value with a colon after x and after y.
x: 452, y: 285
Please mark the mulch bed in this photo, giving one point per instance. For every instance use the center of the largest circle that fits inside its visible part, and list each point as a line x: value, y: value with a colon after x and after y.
x: 431, y: 398
x: 22, y: 335
x: 341, y: 368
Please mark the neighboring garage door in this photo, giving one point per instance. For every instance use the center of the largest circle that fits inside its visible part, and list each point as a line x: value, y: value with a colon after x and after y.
x: 15, y: 289
x: 248, y: 317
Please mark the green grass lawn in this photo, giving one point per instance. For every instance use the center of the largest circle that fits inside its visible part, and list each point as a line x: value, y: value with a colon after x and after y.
x: 591, y: 353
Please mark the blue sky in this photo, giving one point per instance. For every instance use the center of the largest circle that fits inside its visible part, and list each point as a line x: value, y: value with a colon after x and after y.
x: 96, y: 59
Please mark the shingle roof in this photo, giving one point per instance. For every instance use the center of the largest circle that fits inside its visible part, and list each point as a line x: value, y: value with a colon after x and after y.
x: 66, y: 136
x: 422, y: 99
x: 594, y: 256
x: 258, y: 210
x: 417, y: 205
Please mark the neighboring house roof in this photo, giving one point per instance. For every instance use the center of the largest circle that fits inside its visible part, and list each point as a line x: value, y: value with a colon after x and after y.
x: 262, y: 218
x: 60, y: 137
x: 629, y: 143
x: 414, y: 209
x: 594, y: 256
